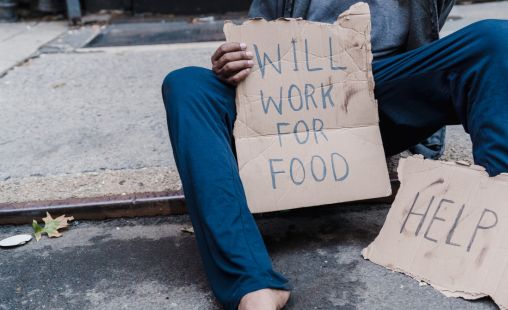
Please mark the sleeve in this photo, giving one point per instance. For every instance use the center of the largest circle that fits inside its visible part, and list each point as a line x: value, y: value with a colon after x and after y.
x: 267, y: 9
x: 443, y: 9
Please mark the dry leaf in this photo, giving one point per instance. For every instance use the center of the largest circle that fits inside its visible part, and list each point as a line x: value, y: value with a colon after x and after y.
x: 38, y: 230
x: 51, y: 227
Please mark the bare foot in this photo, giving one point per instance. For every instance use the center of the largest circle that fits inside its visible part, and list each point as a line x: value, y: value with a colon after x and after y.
x: 265, y: 299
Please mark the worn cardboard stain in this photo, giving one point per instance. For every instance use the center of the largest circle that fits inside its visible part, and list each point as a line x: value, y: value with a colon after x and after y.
x: 448, y: 227
x: 307, y: 123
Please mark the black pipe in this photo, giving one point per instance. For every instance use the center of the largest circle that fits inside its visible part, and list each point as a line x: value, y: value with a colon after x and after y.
x: 51, y: 6
x: 8, y: 11
x: 74, y: 11
x: 96, y: 209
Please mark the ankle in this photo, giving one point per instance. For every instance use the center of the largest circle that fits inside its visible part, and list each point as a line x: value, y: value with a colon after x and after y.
x: 264, y: 299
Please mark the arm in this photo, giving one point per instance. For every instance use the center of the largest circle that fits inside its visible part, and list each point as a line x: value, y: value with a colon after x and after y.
x: 267, y: 9
x: 443, y: 9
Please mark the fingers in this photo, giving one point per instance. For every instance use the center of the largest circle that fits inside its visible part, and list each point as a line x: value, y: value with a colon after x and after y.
x: 233, y: 67
x: 232, y: 63
x: 237, y: 78
x: 228, y: 47
x: 230, y: 57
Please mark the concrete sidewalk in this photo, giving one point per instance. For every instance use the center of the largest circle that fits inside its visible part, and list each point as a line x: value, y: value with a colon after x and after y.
x: 149, y: 263
x: 89, y: 124
x: 80, y: 123
x: 19, y: 41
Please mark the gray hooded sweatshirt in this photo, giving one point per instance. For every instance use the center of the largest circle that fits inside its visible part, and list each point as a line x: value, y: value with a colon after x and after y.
x: 397, y: 25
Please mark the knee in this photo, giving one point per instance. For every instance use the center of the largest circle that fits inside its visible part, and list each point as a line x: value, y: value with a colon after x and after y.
x: 182, y: 79
x: 181, y: 84
x: 492, y: 35
x: 491, y: 28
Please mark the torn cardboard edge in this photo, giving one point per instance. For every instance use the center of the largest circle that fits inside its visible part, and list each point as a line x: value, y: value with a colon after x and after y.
x: 228, y: 21
x: 482, y: 272
x: 355, y: 9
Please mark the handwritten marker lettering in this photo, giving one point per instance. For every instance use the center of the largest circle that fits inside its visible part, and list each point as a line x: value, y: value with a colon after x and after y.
x: 300, y: 98
x: 272, y: 59
x: 487, y: 220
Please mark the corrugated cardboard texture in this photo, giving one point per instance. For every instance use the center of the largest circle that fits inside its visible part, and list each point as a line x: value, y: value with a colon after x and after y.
x: 448, y: 226
x: 307, y: 122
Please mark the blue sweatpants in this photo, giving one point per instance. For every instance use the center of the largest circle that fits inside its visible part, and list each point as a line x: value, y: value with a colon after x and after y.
x: 460, y: 79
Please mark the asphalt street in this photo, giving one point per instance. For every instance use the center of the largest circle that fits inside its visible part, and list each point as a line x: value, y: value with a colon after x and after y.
x: 150, y: 263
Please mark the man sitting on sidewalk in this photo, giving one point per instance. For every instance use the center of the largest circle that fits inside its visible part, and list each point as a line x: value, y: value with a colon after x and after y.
x: 421, y: 84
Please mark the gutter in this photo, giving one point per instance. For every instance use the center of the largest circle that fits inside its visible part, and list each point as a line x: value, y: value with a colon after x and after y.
x: 97, y: 208
x: 134, y: 205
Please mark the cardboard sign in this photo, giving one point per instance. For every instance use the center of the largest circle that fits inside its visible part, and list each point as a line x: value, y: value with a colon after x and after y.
x: 448, y: 226
x: 307, y: 130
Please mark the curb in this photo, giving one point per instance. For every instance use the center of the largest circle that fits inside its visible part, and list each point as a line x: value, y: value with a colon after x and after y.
x: 100, y: 208
x: 97, y: 208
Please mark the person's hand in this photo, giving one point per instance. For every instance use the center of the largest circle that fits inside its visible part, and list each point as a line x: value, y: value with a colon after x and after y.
x: 231, y: 62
